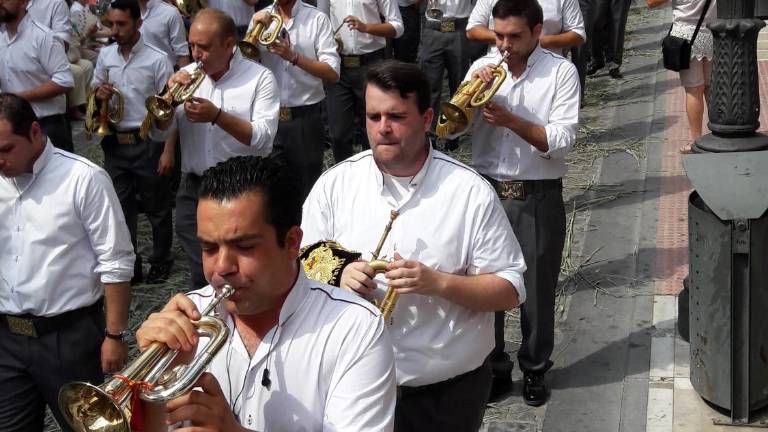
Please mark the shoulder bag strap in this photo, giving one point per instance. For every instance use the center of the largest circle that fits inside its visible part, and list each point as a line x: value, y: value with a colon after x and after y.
x: 701, y: 20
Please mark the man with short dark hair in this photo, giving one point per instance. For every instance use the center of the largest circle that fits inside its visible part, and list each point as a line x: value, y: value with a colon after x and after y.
x: 34, y: 66
x: 301, y: 355
x: 519, y: 143
x: 454, y: 256
x: 65, y: 254
x: 134, y: 154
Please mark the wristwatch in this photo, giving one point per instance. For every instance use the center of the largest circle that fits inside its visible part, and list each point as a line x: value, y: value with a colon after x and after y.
x: 120, y: 336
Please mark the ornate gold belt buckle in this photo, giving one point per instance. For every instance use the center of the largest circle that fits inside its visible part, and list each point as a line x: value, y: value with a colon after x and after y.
x: 351, y: 62
x: 286, y: 114
x: 21, y: 326
x: 447, y: 26
x: 126, y: 138
x: 511, y: 190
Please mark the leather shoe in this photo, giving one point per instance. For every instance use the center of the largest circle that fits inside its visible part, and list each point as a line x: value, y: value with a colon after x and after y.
x: 594, y: 67
x: 159, y: 273
x: 534, y: 389
x: 615, y: 73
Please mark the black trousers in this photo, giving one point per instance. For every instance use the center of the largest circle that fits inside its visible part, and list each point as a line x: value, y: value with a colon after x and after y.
x: 32, y: 370
x: 58, y: 129
x: 345, y: 101
x: 406, y: 47
x: 186, y: 228
x: 539, y: 225
x: 133, y: 169
x: 301, y: 141
x: 440, y: 53
x: 582, y: 54
x: 610, y: 22
x: 455, y: 405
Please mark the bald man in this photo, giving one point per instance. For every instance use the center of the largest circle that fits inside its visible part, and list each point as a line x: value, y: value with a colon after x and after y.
x: 234, y: 112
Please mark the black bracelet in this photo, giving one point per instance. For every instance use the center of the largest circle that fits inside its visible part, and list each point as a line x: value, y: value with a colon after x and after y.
x: 217, y: 117
x: 116, y: 336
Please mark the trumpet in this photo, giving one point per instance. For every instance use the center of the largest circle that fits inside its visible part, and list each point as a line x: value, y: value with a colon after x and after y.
x: 387, y: 304
x: 108, y: 407
x: 105, y: 115
x: 191, y: 7
x: 261, y: 35
x: 456, y: 114
x: 161, y: 108
x: 433, y: 12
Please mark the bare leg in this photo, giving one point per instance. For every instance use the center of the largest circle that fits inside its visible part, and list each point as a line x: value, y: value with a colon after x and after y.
x: 694, y: 107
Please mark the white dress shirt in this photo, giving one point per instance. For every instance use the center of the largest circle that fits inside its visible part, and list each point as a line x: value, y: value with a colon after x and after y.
x: 547, y: 94
x: 451, y: 221
x: 248, y: 91
x: 329, y: 359
x: 32, y: 57
x: 163, y: 28
x: 62, y: 235
x: 560, y: 16
x: 310, y: 33
x: 53, y: 14
x: 144, y: 74
x: 239, y: 10
x: 369, y: 11
x: 78, y: 17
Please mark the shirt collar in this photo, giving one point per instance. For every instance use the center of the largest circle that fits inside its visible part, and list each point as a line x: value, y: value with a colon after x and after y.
x: 234, y: 63
x: 416, y: 180
x: 43, y: 159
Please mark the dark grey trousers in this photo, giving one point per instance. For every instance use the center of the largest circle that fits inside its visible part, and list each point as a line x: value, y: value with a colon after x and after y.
x: 539, y: 225
x: 302, y: 142
x: 455, y: 405
x: 442, y: 53
x: 582, y: 54
x: 58, y: 129
x: 186, y: 228
x: 345, y: 101
x: 610, y: 15
x: 133, y: 169
x: 406, y: 47
x: 32, y: 370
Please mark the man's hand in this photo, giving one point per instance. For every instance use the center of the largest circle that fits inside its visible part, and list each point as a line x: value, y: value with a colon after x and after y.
x: 263, y: 16
x: 497, y: 115
x: 113, y: 355
x: 200, y: 110
x: 282, y: 48
x: 181, y: 78
x: 171, y: 326
x: 105, y: 91
x: 166, y: 163
x: 354, y: 23
x: 358, y: 277
x: 207, y: 410
x: 410, y: 276
x: 485, y: 73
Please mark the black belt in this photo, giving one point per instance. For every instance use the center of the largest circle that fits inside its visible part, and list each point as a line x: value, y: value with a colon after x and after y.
x: 290, y: 113
x: 438, y: 386
x: 520, y: 189
x: 447, y: 25
x: 126, y: 137
x: 357, y: 61
x: 35, y: 326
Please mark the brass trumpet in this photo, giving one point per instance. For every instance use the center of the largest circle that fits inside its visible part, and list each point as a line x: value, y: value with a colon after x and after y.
x: 190, y: 8
x: 161, y: 108
x: 387, y: 304
x: 107, y: 408
x: 456, y: 114
x: 105, y: 116
x: 261, y: 35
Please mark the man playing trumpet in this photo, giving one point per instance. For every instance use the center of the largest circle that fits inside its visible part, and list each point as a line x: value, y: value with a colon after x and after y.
x: 519, y: 143
x: 134, y: 154
x: 233, y: 112
x: 301, y: 355
x: 454, y: 256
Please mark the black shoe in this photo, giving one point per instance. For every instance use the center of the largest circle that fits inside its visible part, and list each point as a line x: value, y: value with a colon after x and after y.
x: 501, y: 370
x: 451, y: 144
x: 594, y: 67
x: 534, y: 389
x: 159, y: 273
x: 615, y: 73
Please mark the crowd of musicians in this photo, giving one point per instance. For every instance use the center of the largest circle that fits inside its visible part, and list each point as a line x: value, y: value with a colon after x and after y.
x: 235, y: 169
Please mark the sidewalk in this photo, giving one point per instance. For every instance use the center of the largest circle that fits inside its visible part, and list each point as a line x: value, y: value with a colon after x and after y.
x: 619, y: 363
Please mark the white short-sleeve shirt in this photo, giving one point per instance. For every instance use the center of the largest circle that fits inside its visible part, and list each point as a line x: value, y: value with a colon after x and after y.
x: 163, y: 27
x: 329, y: 359
x: 369, y: 11
x: 53, y: 14
x: 30, y: 58
x: 247, y: 90
x: 451, y: 221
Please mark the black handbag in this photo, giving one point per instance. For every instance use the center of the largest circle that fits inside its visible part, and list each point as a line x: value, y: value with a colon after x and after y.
x: 676, y: 50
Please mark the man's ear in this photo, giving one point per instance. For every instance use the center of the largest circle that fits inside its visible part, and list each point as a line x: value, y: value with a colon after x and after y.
x: 35, y: 133
x: 293, y: 240
x: 429, y: 114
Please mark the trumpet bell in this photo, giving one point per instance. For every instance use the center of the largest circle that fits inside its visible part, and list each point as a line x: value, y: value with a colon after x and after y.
x: 160, y: 108
x: 455, y: 114
x: 249, y: 50
x: 88, y: 408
